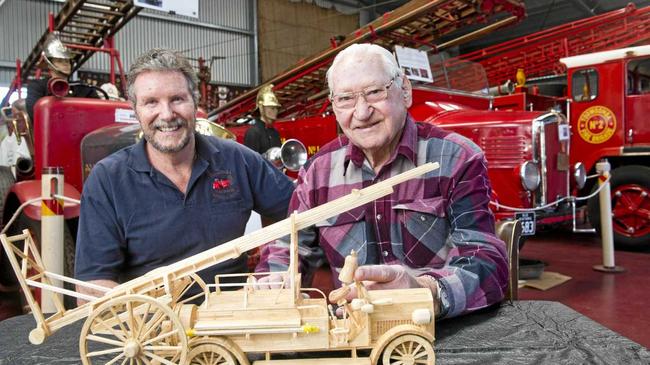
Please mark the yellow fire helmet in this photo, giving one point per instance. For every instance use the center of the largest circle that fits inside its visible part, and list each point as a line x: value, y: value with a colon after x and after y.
x: 266, y: 97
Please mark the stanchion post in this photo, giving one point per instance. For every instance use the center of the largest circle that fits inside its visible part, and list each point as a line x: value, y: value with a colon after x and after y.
x: 606, y: 231
x: 52, y: 221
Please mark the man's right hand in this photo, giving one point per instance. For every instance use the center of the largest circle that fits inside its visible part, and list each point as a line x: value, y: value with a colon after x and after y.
x: 96, y: 293
x: 272, y: 281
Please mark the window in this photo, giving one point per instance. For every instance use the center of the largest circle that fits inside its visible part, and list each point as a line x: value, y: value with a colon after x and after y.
x: 584, y: 85
x: 638, y: 77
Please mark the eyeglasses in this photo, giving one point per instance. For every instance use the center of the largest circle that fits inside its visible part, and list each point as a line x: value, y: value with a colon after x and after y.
x: 372, y: 94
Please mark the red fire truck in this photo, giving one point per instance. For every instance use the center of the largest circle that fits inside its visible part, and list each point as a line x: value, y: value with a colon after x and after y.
x: 537, y: 162
x: 609, y: 96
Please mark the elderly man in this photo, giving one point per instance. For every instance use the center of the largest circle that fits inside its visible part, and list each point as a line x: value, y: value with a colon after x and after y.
x: 435, y: 232
x: 175, y: 193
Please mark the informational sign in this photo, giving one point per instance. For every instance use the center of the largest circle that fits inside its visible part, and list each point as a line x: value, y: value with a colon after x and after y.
x: 125, y: 116
x: 414, y: 63
x: 185, y: 7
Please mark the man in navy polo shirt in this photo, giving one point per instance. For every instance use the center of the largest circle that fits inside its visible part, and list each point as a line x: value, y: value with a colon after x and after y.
x: 175, y: 193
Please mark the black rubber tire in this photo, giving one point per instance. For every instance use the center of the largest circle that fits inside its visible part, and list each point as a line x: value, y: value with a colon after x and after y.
x: 24, y: 222
x: 7, y: 180
x: 633, y: 174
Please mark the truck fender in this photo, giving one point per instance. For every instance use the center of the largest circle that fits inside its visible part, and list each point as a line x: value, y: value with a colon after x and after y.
x: 405, y: 329
x: 23, y: 191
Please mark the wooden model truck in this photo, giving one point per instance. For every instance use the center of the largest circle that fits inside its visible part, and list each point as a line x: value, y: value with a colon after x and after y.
x: 151, y: 320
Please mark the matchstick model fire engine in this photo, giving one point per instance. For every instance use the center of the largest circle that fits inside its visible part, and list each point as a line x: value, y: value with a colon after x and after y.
x: 148, y: 320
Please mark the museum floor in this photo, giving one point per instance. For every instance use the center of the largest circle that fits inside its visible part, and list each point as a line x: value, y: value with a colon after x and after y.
x: 617, y: 301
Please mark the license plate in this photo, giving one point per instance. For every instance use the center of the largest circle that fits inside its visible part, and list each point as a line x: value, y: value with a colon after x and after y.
x: 527, y: 220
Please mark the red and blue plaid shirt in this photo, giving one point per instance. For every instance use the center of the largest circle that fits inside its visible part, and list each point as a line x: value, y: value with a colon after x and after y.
x: 438, y: 224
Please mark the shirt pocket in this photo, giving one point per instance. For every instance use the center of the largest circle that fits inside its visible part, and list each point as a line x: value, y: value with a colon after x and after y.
x: 341, y: 234
x: 424, y: 228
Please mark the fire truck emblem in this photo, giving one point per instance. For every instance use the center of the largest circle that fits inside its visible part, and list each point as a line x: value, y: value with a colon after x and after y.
x: 597, y: 124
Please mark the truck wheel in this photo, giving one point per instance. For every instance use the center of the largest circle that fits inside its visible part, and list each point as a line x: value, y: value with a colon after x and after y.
x: 34, y: 227
x: 6, y: 182
x: 630, y: 189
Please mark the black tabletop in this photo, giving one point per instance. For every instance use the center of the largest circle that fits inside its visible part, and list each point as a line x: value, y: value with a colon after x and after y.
x: 524, y: 332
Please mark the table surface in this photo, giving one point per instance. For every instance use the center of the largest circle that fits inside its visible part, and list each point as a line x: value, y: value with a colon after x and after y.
x: 522, y: 332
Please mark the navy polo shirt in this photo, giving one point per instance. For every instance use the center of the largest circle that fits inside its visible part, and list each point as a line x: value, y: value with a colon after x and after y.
x: 133, y: 219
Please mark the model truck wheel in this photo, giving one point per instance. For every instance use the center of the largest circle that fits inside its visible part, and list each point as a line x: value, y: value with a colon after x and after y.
x: 409, y: 350
x: 133, y: 329
x: 211, y: 354
x: 630, y: 189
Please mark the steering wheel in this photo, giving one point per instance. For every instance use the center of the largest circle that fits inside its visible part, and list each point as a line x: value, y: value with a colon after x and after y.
x: 103, y: 94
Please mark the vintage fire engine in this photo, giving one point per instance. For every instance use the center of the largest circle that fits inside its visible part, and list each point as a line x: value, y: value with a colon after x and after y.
x: 527, y: 152
x: 537, y: 161
x: 602, y: 88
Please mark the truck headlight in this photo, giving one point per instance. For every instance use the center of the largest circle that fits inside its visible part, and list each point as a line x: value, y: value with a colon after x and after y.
x: 580, y: 174
x: 529, y: 174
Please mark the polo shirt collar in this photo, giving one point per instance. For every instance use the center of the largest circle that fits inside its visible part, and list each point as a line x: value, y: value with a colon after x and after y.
x: 140, y: 161
x: 406, y: 147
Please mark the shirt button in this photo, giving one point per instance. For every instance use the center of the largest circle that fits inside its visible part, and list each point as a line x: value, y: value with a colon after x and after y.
x: 385, y: 253
x: 378, y: 216
x: 423, y: 218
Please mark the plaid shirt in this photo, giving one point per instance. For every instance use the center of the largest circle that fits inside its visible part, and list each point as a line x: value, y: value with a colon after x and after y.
x: 438, y: 224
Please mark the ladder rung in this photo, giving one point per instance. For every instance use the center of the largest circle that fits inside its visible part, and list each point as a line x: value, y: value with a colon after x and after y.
x: 101, y: 11
x: 84, y: 21
x: 85, y: 15
x: 77, y: 35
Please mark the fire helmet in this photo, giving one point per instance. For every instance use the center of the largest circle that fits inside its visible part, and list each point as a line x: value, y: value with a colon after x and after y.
x: 266, y: 97
x: 54, y: 48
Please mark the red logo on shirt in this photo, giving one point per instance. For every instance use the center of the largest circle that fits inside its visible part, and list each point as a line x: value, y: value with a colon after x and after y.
x: 219, y: 184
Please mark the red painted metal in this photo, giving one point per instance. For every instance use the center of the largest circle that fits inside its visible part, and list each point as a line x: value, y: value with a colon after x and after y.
x: 31, y: 189
x: 539, y: 53
x: 57, y: 136
x: 631, y: 210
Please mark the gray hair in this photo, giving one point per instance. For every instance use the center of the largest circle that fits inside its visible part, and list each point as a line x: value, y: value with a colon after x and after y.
x: 162, y: 60
x: 366, y: 51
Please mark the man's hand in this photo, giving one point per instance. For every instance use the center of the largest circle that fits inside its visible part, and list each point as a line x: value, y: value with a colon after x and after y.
x: 378, y: 277
x: 271, y: 281
x: 96, y: 293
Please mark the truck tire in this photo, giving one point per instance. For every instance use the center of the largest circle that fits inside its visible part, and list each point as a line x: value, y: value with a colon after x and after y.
x: 24, y: 222
x: 630, y: 189
x: 7, y: 180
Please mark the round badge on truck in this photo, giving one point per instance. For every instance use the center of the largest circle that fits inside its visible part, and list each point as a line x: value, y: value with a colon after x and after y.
x: 597, y: 124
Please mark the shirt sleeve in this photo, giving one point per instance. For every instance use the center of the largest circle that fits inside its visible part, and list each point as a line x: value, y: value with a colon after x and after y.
x: 100, y: 239
x: 475, y: 272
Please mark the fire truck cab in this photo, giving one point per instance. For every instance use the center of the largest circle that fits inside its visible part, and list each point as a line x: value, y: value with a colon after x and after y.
x: 608, y: 103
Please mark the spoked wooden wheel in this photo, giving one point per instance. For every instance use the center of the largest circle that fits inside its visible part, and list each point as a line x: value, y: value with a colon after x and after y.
x: 133, y: 329
x: 409, y: 350
x: 211, y: 354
